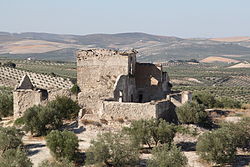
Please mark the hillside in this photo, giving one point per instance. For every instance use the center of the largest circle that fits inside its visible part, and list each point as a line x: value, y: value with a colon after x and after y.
x: 152, y: 48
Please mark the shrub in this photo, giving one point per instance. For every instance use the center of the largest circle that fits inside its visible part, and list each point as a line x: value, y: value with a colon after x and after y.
x: 61, y: 163
x: 207, y: 99
x: 65, y: 106
x: 75, y: 89
x: 226, y: 102
x: 14, y: 158
x: 162, y: 132
x: 40, y: 120
x: 113, y: 150
x: 151, y: 132
x: 167, y: 156
x: 192, y: 113
x: 240, y: 132
x: 140, y: 132
x: 62, y: 144
x: 10, y: 138
x: 217, y: 146
x: 9, y: 64
x: 6, y: 105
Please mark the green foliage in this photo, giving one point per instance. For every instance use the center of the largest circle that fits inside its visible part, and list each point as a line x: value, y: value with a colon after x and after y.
x: 186, y: 130
x: 167, y: 156
x: 9, y: 64
x: 65, y: 106
x: 61, y: 163
x: 113, y: 150
x: 10, y: 138
x: 6, y: 105
x: 207, y: 99
x: 240, y: 132
x: 226, y: 102
x: 192, y: 113
x: 14, y: 158
x: 62, y: 144
x: 217, y: 146
x: 75, y: 89
x: 151, y: 132
x: 40, y: 120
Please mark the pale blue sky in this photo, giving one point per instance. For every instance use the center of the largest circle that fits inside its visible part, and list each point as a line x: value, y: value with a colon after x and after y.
x: 182, y: 18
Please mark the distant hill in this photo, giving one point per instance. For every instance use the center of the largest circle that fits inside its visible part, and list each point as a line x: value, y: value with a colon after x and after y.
x: 152, y: 48
x: 213, y: 59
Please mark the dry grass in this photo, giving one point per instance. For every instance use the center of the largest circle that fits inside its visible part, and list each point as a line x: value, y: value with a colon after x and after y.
x: 212, y: 59
x: 231, y: 39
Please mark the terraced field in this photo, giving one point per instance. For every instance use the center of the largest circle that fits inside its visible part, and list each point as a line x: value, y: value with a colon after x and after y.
x: 62, y: 69
x: 10, y: 77
x: 216, y: 79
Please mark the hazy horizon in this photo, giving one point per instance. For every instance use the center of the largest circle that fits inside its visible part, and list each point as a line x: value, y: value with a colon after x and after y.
x: 189, y: 19
x: 127, y: 32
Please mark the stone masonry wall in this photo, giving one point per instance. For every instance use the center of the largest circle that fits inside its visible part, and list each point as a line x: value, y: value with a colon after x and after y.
x: 151, y: 82
x: 97, y: 72
x: 24, y: 99
x: 131, y: 111
x: 135, y: 111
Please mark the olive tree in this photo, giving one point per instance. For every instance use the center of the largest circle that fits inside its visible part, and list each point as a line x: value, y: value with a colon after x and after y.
x: 40, y: 120
x: 60, y: 163
x: 217, y: 146
x: 6, y: 105
x: 167, y: 156
x: 62, y: 144
x: 15, y: 158
x: 151, y: 132
x: 10, y: 138
x: 192, y: 113
x: 67, y: 108
x: 113, y: 150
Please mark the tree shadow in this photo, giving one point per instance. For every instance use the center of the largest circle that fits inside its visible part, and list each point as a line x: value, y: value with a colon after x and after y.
x: 78, y: 130
x: 219, y: 113
x: 32, y: 152
x: 80, y: 158
x: 74, y: 127
x: 241, y: 160
x: 31, y: 146
x: 187, y: 146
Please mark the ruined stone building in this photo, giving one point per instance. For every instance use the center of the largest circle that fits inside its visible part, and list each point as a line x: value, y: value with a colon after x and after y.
x: 27, y: 95
x: 114, y: 85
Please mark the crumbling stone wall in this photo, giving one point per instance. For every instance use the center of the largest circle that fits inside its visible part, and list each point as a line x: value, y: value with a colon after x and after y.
x: 97, y: 74
x: 151, y: 82
x: 24, y: 99
x: 131, y: 111
x: 112, y: 110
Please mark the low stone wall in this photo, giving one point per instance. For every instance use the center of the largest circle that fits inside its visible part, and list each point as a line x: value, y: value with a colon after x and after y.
x: 135, y: 111
x: 132, y: 111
